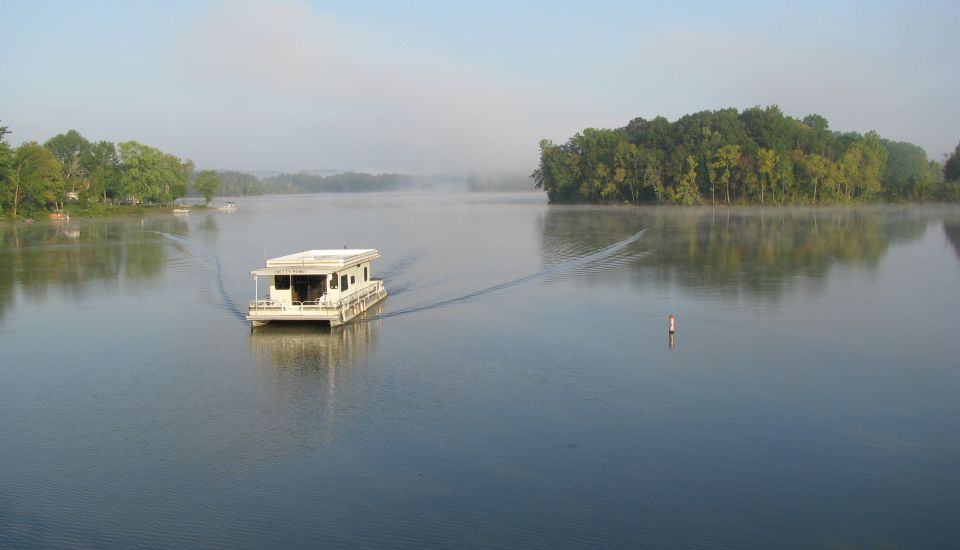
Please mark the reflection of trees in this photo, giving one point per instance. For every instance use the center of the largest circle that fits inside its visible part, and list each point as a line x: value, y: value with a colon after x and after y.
x: 952, y: 229
x: 750, y: 249
x: 209, y: 225
x: 572, y: 229
x: 38, y: 256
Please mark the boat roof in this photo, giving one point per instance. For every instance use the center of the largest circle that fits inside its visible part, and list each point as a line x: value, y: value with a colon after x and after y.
x: 317, y: 261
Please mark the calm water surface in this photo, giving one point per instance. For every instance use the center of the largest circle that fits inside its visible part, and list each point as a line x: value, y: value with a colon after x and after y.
x: 517, y: 388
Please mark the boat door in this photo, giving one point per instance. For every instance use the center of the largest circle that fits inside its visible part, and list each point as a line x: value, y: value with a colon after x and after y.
x: 300, y: 284
x: 316, y: 287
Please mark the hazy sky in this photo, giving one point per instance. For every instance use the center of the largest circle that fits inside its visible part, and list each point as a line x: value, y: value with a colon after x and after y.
x: 448, y: 87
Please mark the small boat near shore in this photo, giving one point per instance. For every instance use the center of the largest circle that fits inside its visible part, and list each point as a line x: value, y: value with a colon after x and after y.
x: 59, y: 215
x: 228, y: 206
x: 181, y: 210
x: 329, y: 286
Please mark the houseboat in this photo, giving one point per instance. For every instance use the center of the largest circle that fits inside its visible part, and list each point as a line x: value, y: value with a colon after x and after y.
x: 331, y: 286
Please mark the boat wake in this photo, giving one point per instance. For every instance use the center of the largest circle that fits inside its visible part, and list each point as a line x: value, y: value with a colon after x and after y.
x: 225, y: 300
x: 609, y: 257
x: 575, y: 265
x: 398, y: 268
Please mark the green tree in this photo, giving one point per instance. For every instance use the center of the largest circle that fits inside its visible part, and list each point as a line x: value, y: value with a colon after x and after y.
x: 628, y: 159
x: 559, y: 171
x: 597, y: 148
x: 768, y: 128
x: 874, y: 159
x: 907, y: 171
x: 238, y: 183
x: 178, y: 185
x: 686, y: 192
x: 816, y: 168
x: 951, y: 168
x: 37, y: 180
x: 721, y: 166
x: 815, y: 136
x: 766, y: 170
x: 653, y: 173
x: 103, y: 166
x: 207, y: 184
x: 149, y: 173
x: 70, y: 148
x: 6, y: 164
x: 784, y: 175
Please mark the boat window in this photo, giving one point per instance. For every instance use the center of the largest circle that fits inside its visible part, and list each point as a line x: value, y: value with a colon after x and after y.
x: 366, y: 277
x: 343, y: 283
x: 353, y: 280
x: 281, y: 282
x: 333, y: 281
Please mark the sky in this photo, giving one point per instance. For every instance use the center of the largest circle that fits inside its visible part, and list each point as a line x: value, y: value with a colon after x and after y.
x: 451, y: 87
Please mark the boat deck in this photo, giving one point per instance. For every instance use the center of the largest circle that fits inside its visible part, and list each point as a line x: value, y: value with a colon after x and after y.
x: 335, y: 312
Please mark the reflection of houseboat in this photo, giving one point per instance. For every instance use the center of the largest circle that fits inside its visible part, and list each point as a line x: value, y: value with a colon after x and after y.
x: 295, y: 347
x: 332, y: 286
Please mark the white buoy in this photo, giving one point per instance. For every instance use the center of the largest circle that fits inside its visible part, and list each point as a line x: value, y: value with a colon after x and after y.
x: 671, y: 324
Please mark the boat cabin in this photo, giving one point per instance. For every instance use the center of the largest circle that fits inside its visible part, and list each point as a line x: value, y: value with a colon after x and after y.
x: 316, y: 285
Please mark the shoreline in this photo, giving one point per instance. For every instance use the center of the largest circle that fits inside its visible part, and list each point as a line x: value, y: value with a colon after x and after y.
x: 112, y: 211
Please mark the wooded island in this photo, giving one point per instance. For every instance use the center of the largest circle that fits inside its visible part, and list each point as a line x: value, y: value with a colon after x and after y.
x: 757, y: 156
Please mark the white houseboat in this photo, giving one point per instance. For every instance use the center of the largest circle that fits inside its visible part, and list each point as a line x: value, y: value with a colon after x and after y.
x: 331, y: 286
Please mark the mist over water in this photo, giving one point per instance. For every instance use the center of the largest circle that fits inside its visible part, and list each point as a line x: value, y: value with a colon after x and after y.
x: 517, y: 388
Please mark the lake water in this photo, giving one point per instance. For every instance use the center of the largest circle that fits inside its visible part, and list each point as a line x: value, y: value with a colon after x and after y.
x: 516, y: 389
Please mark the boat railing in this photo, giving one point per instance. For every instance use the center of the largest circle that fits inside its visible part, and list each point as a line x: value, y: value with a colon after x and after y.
x: 267, y: 303
x: 324, y: 302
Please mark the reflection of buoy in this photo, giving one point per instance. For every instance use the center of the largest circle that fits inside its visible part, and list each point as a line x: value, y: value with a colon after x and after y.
x: 671, y: 324
x: 673, y: 343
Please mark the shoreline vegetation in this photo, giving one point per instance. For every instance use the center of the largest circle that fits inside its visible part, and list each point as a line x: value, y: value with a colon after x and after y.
x: 757, y: 156
x: 71, y: 175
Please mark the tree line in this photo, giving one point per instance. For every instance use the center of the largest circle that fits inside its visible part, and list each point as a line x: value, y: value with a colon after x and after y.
x: 37, y: 178
x: 757, y: 156
x: 348, y: 182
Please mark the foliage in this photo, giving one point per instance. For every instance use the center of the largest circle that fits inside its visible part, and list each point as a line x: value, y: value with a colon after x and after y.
x: 6, y: 164
x: 93, y: 177
x: 68, y: 149
x: 150, y: 174
x: 951, y: 168
x: 70, y: 168
x: 336, y: 183
x: 90, y: 170
x: 759, y: 156
x: 237, y: 183
x: 36, y: 182
x: 102, y: 164
x: 207, y: 183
